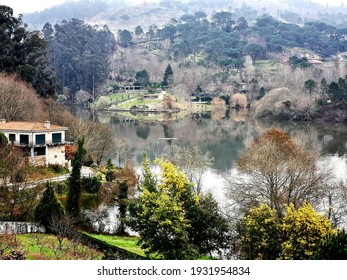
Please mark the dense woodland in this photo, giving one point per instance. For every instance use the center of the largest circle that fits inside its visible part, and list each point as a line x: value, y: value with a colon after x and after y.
x: 242, y: 56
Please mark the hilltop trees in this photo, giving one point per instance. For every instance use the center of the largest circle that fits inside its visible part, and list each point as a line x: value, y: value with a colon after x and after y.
x: 79, y: 54
x: 25, y: 53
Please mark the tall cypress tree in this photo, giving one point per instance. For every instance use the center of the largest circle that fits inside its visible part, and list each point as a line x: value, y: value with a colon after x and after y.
x: 72, y: 206
x: 168, y: 76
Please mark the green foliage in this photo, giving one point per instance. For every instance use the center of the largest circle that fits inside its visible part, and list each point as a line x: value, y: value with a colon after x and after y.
x: 91, y: 185
x: 142, y: 78
x: 125, y: 38
x: 49, y: 207
x: 303, y: 230
x: 172, y: 220
x: 110, y: 168
x: 310, y: 85
x: 334, y: 247
x: 255, y: 51
x: 80, y: 54
x: 296, y: 236
x: 337, y: 90
x: 60, y: 187
x: 25, y: 53
x: 58, y: 169
x: 3, y: 140
x: 299, y: 62
x: 75, y: 180
x: 260, y: 234
x: 168, y: 76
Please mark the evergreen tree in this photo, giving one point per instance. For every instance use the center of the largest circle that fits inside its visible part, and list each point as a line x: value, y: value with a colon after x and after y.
x: 142, y: 77
x: 110, y: 176
x: 168, y: 77
x: 333, y: 248
x: 25, y: 53
x: 49, y: 207
x: 75, y: 180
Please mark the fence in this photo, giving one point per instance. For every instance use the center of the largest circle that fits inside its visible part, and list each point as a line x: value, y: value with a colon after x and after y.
x: 20, y: 228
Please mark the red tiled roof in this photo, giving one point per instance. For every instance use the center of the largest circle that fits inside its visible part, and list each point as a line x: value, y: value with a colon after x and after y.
x: 30, y: 126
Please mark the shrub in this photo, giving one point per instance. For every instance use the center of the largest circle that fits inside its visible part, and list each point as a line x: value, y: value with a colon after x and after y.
x: 91, y: 185
x: 285, y: 104
x: 60, y: 187
x: 57, y: 168
x: 238, y: 100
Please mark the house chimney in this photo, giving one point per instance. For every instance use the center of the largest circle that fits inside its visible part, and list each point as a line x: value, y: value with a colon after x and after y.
x: 47, y: 124
x: 2, y: 121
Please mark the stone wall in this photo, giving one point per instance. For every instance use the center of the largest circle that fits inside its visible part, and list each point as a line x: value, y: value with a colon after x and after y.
x: 20, y: 228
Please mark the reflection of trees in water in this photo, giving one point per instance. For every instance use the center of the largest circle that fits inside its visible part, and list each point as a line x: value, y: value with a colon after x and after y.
x: 142, y: 131
x: 224, y: 138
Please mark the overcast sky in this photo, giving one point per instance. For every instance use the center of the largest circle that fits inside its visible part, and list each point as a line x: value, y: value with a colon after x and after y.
x: 28, y: 6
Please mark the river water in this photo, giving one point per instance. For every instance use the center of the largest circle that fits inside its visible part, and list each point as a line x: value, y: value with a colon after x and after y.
x: 225, y: 136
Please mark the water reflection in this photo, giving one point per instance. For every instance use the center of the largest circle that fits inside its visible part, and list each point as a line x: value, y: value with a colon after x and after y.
x: 225, y: 134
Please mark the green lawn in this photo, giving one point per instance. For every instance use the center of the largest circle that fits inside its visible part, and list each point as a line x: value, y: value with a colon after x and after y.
x: 108, y: 100
x: 126, y: 243
x: 138, y: 102
x: 46, y: 247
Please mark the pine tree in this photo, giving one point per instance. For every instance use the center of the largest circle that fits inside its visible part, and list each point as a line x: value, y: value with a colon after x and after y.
x: 49, y: 207
x: 168, y: 76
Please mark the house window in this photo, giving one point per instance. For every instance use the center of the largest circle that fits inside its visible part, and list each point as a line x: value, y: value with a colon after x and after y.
x: 40, y: 151
x: 12, y: 137
x: 56, y: 137
x: 40, y: 139
x: 24, y: 139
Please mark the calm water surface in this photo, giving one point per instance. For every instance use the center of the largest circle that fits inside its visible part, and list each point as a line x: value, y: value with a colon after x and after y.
x: 225, y: 136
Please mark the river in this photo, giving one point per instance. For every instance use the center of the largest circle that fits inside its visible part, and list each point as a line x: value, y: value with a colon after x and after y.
x: 224, y: 136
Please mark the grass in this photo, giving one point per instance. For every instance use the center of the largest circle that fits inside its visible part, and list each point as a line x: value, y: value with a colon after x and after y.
x: 36, y: 173
x: 108, y: 100
x: 272, y: 64
x: 138, y: 102
x: 126, y: 243
x: 45, y: 247
x: 129, y: 244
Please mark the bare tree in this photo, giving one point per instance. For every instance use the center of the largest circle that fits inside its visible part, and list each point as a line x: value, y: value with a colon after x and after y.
x: 275, y: 170
x: 97, y: 138
x: 18, y: 101
x: 191, y: 160
x: 122, y: 149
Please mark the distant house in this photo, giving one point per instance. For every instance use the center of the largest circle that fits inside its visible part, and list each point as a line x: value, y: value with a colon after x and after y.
x: 42, y: 142
x: 316, y: 62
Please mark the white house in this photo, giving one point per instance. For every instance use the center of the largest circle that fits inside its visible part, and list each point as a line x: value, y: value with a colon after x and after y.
x: 42, y: 142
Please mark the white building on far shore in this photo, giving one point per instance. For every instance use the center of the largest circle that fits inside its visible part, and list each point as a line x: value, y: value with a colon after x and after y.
x: 42, y: 142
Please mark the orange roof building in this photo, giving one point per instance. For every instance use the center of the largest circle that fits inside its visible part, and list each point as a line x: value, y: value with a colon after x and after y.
x: 42, y: 142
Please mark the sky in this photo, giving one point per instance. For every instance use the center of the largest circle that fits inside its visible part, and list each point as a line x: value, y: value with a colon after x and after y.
x: 28, y: 6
